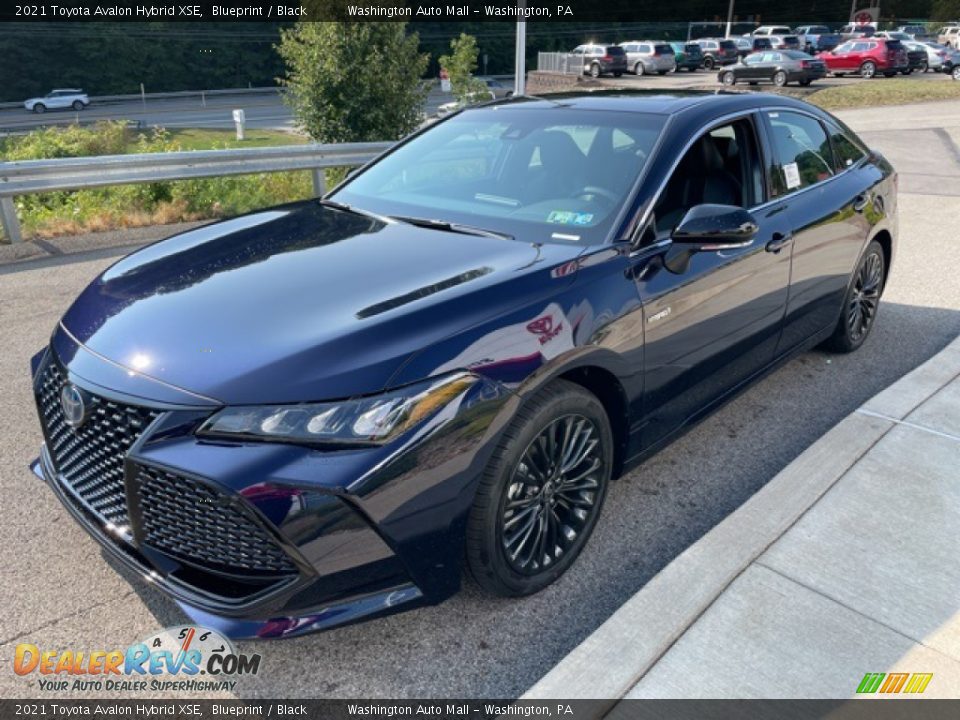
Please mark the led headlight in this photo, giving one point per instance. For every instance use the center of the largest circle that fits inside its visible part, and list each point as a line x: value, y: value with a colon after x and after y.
x: 373, y: 419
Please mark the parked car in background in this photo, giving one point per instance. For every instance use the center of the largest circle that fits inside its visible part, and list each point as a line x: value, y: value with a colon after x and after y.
x: 64, y: 98
x: 951, y: 63
x: 768, y: 30
x: 440, y: 367
x: 646, y: 57
x: 816, y: 38
x: 936, y: 54
x: 748, y: 45
x: 893, y: 35
x: 785, y: 42
x: 917, y: 57
x: 498, y: 88
x: 949, y: 35
x: 867, y: 57
x: 916, y: 32
x: 472, y: 99
x: 688, y: 56
x: 857, y: 30
x: 600, y: 60
x: 717, y: 52
x: 777, y: 66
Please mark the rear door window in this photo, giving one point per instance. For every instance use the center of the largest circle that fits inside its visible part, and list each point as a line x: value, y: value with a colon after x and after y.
x: 847, y: 152
x: 802, y: 153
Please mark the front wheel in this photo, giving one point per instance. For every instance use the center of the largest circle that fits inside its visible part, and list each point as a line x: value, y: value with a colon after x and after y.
x: 955, y: 73
x: 638, y: 69
x: 77, y: 105
x: 868, y: 70
x: 594, y: 71
x: 861, y: 303
x: 39, y: 108
x: 729, y: 79
x: 780, y: 78
x: 923, y: 67
x: 540, y: 496
x: 709, y: 63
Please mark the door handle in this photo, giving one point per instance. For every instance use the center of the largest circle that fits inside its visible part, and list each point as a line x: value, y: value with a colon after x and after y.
x: 778, y: 242
x: 860, y: 202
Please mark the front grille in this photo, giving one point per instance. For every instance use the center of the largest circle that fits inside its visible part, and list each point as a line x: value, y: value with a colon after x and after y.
x: 90, y: 458
x: 194, y: 522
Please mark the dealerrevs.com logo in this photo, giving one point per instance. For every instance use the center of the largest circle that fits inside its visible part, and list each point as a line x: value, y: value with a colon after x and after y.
x: 188, y: 658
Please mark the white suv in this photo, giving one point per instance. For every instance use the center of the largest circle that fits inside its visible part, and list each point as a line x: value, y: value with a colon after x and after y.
x: 949, y: 35
x: 57, y: 99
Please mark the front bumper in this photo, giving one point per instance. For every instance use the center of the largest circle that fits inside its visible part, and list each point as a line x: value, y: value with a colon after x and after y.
x: 310, y: 539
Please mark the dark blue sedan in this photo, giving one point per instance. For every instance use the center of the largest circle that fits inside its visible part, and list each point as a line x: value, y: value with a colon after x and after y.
x: 327, y: 411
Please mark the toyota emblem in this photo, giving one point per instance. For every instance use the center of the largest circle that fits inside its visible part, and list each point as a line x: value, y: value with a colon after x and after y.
x: 73, y: 405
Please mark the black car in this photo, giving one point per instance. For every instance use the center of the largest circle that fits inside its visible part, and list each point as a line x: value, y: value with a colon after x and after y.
x: 326, y: 411
x: 916, y: 59
x: 718, y: 52
x: 777, y: 66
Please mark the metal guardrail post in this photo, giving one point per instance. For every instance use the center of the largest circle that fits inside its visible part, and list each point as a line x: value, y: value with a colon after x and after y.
x: 319, y: 176
x: 8, y: 214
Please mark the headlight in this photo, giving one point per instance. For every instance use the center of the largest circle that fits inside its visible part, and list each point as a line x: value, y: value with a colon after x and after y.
x: 364, y: 420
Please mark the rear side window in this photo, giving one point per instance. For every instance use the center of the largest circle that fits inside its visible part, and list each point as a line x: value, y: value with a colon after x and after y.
x: 614, y: 50
x: 664, y: 49
x: 728, y: 45
x: 803, y: 156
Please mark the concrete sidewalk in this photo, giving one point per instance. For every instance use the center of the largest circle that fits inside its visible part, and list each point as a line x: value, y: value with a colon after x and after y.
x: 846, y: 563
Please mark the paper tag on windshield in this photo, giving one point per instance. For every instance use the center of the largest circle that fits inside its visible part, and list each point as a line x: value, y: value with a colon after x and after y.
x: 792, y: 175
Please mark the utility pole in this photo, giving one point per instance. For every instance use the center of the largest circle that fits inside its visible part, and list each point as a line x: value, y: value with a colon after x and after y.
x: 730, y: 18
x: 520, y: 59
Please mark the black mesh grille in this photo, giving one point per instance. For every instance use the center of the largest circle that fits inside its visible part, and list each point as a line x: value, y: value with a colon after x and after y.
x: 191, y: 521
x: 90, y: 458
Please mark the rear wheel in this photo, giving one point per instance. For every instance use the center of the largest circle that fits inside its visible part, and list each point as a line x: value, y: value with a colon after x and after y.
x: 923, y: 66
x: 729, y: 79
x: 617, y: 73
x: 861, y: 302
x: 540, y: 496
x: 956, y: 73
x: 595, y: 70
x: 77, y: 105
x: 709, y: 63
x: 780, y: 78
x: 868, y: 70
x: 638, y: 69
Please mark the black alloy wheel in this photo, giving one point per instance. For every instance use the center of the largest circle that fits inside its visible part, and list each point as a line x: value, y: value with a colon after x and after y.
x: 861, y: 303
x: 542, y: 492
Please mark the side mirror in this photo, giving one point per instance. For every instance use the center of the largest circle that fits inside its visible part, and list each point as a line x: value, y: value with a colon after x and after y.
x: 716, y: 227
x: 709, y: 228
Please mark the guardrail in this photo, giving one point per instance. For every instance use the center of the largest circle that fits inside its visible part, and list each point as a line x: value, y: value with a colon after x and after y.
x: 172, y: 95
x: 38, y: 176
x: 563, y: 63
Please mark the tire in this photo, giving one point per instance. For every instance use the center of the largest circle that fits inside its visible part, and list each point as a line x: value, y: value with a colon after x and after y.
x: 709, y: 63
x: 595, y: 71
x: 502, y: 559
x: 78, y: 106
x: 780, y: 78
x: 861, y: 302
x: 868, y: 70
x: 923, y: 67
x: 806, y: 83
x: 906, y: 71
x: 638, y: 69
x: 955, y: 73
x: 729, y: 79
x: 617, y: 73
x: 39, y: 108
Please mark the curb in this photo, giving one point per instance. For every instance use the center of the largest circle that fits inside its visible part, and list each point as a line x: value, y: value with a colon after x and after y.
x: 621, y: 651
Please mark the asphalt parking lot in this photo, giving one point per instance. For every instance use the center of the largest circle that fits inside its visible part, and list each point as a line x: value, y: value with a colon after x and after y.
x: 59, y: 592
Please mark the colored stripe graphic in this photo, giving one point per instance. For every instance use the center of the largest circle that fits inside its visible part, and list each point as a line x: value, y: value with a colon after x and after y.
x: 870, y: 682
x: 914, y: 683
x: 918, y: 682
x: 894, y: 682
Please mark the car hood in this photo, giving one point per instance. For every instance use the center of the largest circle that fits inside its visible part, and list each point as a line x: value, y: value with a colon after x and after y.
x: 301, y: 302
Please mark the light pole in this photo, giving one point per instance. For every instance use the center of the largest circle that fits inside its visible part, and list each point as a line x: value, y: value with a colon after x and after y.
x: 730, y: 18
x: 520, y: 59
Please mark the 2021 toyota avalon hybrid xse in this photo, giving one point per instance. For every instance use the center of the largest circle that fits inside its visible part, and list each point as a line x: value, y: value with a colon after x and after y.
x: 325, y: 411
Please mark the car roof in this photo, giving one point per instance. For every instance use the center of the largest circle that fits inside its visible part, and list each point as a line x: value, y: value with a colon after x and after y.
x: 653, y: 102
x: 73, y: 90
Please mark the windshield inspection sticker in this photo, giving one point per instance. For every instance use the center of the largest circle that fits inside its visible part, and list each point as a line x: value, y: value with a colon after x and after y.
x: 792, y: 175
x: 566, y: 217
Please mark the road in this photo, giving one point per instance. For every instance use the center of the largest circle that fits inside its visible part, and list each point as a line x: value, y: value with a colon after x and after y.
x: 262, y: 110
x: 59, y: 592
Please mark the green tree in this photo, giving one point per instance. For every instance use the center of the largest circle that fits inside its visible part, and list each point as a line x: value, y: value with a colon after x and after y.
x: 946, y: 10
x: 461, y: 64
x: 353, y: 82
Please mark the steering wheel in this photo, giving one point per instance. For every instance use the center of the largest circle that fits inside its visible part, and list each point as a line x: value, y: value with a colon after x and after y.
x: 598, y: 191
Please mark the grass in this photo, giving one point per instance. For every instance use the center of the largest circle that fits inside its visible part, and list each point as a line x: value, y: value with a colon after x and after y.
x: 206, y: 139
x: 110, y: 208
x: 885, y: 91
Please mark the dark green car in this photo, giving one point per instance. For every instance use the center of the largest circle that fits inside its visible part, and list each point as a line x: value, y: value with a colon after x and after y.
x: 689, y: 56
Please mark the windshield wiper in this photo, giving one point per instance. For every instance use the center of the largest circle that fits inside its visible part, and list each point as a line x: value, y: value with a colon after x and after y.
x: 451, y: 227
x: 343, y: 207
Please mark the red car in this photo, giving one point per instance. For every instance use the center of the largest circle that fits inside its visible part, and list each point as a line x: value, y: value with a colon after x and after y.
x: 867, y: 57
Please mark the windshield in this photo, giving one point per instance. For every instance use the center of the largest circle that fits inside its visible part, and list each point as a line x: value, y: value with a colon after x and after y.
x: 535, y: 174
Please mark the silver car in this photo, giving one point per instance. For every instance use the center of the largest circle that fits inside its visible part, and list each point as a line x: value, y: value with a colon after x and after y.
x: 645, y: 57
